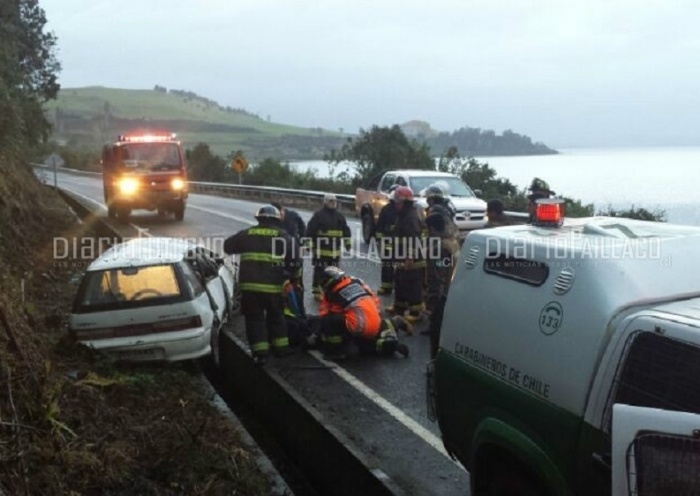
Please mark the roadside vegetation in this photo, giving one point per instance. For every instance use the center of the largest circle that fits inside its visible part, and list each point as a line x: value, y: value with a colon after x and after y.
x: 372, y: 152
x: 70, y: 422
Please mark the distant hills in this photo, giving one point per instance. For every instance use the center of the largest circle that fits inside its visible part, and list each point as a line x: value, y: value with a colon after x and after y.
x: 89, y: 117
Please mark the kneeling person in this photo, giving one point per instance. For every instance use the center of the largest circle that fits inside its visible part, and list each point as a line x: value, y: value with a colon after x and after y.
x: 350, y: 311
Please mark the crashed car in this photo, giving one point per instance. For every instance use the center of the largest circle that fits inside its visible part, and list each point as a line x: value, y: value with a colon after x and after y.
x: 154, y: 299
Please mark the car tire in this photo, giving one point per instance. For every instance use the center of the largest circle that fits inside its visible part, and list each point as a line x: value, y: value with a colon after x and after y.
x: 180, y: 211
x: 367, y: 226
x: 511, y: 480
x: 123, y: 214
x: 112, y: 212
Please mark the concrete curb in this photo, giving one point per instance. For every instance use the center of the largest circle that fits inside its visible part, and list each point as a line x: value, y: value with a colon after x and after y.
x: 328, y: 460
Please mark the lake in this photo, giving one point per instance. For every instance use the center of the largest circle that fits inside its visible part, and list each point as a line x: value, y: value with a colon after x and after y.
x: 652, y: 178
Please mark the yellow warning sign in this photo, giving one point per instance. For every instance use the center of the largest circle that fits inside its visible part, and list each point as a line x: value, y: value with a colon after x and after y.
x: 239, y: 164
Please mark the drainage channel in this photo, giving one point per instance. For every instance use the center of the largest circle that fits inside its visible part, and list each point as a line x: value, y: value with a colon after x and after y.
x: 283, y: 464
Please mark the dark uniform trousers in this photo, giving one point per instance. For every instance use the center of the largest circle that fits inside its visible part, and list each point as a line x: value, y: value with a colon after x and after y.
x: 409, y: 288
x: 264, y: 312
x: 334, y: 335
x: 387, y: 271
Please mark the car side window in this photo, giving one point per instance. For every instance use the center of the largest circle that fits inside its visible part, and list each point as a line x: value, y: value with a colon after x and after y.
x: 195, y: 285
x: 401, y: 181
x: 657, y: 371
x: 388, y: 182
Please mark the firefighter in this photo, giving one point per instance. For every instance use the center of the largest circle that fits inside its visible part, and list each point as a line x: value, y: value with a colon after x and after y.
x: 350, y: 312
x: 268, y: 256
x: 386, y: 224
x: 327, y: 233
x: 438, y: 203
x: 495, y: 214
x: 409, y: 257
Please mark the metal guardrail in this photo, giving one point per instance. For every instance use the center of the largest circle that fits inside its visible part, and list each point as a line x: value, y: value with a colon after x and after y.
x: 306, y: 199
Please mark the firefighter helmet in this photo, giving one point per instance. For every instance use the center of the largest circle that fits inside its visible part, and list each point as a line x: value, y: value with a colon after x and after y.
x: 332, y: 275
x: 402, y: 194
x: 434, y: 191
x: 268, y: 212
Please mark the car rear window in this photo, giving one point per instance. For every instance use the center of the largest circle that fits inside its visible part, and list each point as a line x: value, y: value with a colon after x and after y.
x: 129, y: 285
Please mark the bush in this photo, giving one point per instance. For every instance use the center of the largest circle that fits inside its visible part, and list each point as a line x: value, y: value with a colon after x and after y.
x: 657, y: 215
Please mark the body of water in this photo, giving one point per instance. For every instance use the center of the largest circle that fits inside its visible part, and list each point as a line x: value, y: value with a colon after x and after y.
x: 651, y: 178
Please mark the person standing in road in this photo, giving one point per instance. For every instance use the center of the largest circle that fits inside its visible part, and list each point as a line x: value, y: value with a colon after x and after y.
x: 350, y: 311
x: 327, y: 233
x: 268, y: 255
x: 496, y: 217
x: 386, y: 224
x: 409, y: 257
x: 439, y: 204
x: 296, y: 228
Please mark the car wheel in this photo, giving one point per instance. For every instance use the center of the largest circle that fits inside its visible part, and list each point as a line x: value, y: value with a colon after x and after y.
x: 180, y: 211
x: 112, y: 212
x: 509, y: 480
x: 123, y: 214
x: 367, y: 226
x: 215, y: 330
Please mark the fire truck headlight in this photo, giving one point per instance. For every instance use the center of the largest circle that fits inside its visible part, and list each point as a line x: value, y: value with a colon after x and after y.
x: 128, y: 186
x: 177, y: 184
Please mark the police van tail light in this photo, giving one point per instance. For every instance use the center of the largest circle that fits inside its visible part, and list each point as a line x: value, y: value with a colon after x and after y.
x: 549, y: 212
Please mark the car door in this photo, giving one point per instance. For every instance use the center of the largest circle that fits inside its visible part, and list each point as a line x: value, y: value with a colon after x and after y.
x: 655, y: 452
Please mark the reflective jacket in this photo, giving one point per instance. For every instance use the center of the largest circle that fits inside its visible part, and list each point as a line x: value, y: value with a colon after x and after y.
x: 327, y: 232
x: 408, y: 245
x: 356, y: 301
x: 386, y: 225
x: 268, y: 256
x: 448, y: 213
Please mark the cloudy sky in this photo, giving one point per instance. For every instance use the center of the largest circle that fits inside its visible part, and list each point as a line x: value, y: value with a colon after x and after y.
x: 565, y: 72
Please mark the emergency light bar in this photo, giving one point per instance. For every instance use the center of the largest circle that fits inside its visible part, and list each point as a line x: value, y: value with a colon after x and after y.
x: 549, y: 212
x: 147, y: 138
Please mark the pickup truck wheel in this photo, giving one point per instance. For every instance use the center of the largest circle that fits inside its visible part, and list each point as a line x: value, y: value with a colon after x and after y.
x: 367, y: 226
x: 112, y: 212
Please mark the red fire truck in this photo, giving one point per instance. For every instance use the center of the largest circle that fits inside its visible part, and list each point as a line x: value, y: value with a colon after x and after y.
x: 144, y: 171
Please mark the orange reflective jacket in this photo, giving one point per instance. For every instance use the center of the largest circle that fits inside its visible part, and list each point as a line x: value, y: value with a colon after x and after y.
x: 356, y: 301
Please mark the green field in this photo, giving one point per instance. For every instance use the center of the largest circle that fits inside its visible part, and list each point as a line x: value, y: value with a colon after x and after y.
x: 89, y: 117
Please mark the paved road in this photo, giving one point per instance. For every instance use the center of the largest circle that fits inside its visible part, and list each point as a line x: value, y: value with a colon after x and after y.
x: 378, y: 403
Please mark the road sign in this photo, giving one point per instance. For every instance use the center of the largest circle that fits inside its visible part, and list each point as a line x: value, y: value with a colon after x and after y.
x: 239, y: 164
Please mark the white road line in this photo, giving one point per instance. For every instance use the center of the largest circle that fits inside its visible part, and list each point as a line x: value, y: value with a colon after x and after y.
x: 142, y: 231
x: 382, y: 403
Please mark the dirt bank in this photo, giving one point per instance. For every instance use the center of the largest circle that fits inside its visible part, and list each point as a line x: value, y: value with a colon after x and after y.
x: 71, y: 422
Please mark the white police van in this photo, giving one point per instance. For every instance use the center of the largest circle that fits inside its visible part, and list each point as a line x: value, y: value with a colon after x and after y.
x: 569, y: 359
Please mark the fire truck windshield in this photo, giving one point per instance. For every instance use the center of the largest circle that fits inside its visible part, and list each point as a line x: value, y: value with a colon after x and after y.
x: 150, y: 156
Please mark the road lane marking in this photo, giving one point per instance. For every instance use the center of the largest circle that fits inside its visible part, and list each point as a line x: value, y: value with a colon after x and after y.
x: 385, y: 405
x: 142, y: 231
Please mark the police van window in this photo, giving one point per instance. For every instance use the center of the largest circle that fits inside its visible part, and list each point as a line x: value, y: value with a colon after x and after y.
x: 658, y: 372
x: 519, y: 269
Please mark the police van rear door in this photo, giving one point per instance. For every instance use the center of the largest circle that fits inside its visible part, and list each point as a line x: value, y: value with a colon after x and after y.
x: 655, y: 452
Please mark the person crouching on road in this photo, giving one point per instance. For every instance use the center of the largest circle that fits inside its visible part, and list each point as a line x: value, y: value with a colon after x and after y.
x: 350, y: 311
x: 295, y: 312
x: 328, y: 233
x: 267, y: 257
x: 408, y: 254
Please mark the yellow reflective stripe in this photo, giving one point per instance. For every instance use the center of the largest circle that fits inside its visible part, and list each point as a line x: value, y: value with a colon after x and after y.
x: 261, y: 288
x: 327, y: 253
x: 334, y: 339
x: 337, y: 233
x: 261, y: 346
x: 260, y: 257
x: 263, y: 231
x: 280, y: 342
x: 289, y: 313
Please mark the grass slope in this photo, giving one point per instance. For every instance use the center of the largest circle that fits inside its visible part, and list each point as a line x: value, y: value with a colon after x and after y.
x: 94, y: 115
x: 71, y: 423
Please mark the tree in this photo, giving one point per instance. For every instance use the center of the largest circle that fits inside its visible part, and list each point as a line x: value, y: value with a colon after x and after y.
x: 28, y: 74
x: 205, y: 166
x: 658, y: 215
x: 382, y: 148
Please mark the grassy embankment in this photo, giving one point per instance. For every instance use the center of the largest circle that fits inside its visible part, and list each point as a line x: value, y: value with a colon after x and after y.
x: 71, y: 422
x: 90, y: 117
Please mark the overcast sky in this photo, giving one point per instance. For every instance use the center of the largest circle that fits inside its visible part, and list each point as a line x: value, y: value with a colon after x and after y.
x: 565, y: 72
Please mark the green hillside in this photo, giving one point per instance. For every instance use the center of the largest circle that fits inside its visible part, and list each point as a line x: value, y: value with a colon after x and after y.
x: 90, y: 117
